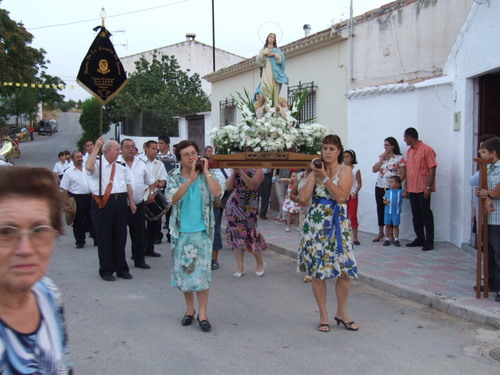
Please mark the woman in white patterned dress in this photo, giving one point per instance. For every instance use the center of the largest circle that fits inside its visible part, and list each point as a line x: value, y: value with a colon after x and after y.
x: 326, y: 248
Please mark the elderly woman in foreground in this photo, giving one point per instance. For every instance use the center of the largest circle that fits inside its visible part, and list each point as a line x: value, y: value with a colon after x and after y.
x: 192, y: 191
x: 32, y: 332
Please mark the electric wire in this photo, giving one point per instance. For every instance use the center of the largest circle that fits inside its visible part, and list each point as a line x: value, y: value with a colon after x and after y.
x: 111, y: 16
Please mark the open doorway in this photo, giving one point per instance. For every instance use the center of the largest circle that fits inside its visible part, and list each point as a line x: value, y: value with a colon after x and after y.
x: 196, y: 130
x: 489, y: 105
x: 488, y: 122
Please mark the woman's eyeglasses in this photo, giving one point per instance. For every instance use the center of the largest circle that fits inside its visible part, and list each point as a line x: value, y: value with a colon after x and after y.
x: 39, y: 236
x: 188, y: 154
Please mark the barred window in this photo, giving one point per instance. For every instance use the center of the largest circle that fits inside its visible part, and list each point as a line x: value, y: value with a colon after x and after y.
x: 227, y: 112
x: 309, y: 109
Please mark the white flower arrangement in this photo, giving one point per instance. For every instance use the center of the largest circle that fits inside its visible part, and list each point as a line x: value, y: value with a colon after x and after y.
x: 272, y: 132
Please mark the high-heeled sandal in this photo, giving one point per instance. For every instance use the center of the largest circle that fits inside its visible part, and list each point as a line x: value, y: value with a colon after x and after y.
x: 347, y: 325
x: 323, y: 327
x: 378, y: 238
x: 187, y: 319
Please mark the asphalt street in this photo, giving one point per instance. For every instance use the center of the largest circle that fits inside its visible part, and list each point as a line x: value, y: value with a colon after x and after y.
x: 261, y: 325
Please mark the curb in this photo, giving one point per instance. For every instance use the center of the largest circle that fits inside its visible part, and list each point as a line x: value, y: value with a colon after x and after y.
x: 424, y: 298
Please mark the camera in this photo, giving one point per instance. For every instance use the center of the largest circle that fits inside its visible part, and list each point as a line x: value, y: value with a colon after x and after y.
x: 199, y: 165
x: 318, y: 163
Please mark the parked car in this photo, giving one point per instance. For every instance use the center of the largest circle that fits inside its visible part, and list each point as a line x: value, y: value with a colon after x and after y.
x: 20, y: 133
x: 45, y: 127
x: 55, y: 127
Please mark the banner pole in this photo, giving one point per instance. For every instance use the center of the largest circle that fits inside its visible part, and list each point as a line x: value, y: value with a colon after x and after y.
x: 100, y: 151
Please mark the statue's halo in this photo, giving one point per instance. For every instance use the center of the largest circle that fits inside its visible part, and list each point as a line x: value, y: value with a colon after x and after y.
x: 269, y: 27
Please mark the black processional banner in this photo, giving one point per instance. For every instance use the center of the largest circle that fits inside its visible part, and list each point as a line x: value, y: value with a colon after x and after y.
x: 101, y: 72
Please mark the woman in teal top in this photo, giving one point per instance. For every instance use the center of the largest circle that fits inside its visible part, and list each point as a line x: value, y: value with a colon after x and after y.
x: 192, y: 194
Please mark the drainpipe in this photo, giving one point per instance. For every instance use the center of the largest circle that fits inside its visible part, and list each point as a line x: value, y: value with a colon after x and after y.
x: 351, y: 42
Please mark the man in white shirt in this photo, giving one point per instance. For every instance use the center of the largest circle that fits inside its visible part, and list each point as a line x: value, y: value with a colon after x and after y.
x: 159, y: 173
x: 170, y: 162
x: 88, y: 147
x: 111, y: 185
x: 142, y: 178
x: 74, y: 183
x: 62, y: 165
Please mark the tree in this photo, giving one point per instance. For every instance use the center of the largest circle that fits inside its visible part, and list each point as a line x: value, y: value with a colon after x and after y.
x: 155, y: 93
x: 65, y: 106
x: 89, y: 120
x: 20, y: 102
x: 18, y: 60
x: 21, y: 63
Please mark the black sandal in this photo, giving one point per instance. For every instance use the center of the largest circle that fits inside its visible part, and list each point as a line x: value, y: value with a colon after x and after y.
x: 321, y: 327
x: 187, y: 319
x: 347, y: 325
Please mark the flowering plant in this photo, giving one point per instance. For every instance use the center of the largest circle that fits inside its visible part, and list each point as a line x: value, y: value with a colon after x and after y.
x: 225, y: 139
x: 275, y: 130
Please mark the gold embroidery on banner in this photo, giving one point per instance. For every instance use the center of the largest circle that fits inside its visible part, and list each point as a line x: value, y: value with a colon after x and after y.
x: 103, y: 67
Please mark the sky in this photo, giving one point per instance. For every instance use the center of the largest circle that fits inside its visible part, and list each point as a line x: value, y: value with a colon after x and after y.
x: 64, y: 28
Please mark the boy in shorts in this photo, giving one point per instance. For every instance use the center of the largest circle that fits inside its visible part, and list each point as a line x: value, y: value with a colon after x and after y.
x: 393, y: 200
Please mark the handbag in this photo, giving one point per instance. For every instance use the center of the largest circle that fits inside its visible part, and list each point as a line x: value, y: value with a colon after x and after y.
x: 221, y: 202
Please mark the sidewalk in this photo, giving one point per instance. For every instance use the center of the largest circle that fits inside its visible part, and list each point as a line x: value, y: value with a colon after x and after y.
x: 442, y: 278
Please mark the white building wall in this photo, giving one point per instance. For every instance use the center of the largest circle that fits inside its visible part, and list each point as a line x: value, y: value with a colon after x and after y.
x: 428, y: 107
x: 475, y: 53
x: 405, y: 43
x: 373, y: 118
x: 328, y: 71
x: 435, y: 126
x: 192, y: 55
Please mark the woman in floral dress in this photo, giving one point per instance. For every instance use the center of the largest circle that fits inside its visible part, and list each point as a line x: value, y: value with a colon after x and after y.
x: 390, y: 163
x: 326, y: 248
x: 192, y: 221
x: 241, y: 210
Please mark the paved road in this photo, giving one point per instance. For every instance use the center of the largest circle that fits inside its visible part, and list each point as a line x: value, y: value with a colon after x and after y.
x: 43, y: 152
x: 260, y: 325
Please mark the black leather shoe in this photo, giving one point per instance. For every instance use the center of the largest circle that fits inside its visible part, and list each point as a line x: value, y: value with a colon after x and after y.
x: 187, y: 319
x: 125, y: 275
x: 415, y: 243
x: 108, y: 277
x: 79, y: 246
x: 427, y: 247
x: 144, y: 266
x: 153, y: 254
x: 204, y: 324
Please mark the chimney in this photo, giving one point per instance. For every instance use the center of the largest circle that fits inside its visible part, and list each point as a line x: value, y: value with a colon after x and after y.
x: 190, y: 36
x: 307, y: 30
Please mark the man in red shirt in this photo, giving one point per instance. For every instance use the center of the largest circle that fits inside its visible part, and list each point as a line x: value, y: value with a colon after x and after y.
x: 420, y: 183
x: 32, y: 133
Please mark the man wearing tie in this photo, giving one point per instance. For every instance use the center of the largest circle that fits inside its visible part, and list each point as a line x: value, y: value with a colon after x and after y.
x: 111, y: 185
